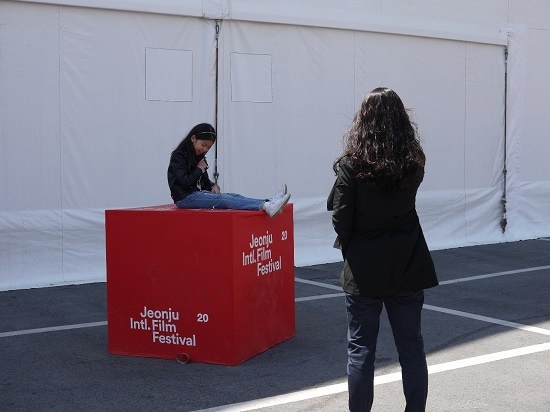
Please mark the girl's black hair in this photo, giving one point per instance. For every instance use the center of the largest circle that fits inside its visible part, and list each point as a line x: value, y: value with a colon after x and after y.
x: 202, y: 131
x: 382, y: 143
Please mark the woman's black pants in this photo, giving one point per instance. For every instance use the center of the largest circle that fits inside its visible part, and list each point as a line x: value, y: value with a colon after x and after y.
x: 404, y: 313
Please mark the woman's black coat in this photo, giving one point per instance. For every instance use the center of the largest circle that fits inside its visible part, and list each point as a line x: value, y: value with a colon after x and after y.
x: 379, y: 233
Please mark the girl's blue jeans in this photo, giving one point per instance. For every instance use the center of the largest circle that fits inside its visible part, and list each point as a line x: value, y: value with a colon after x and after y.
x: 208, y: 200
x: 404, y: 313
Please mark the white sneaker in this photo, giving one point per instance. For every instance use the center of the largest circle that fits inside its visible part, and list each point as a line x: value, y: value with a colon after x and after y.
x: 275, y: 205
x: 280, y: 193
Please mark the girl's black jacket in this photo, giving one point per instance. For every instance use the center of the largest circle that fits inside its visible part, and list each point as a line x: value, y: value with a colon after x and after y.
x: 184, y: 176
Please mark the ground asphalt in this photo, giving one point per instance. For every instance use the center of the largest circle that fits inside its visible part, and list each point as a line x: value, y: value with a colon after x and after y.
x: 486, y: 330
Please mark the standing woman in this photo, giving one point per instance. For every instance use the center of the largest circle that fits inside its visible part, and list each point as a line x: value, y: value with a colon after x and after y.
x: 386, y: 258
x: 191, y: 188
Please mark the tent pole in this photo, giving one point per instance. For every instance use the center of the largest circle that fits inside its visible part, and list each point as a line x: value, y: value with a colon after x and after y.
x: 216, y: 174
x: 504, y: 220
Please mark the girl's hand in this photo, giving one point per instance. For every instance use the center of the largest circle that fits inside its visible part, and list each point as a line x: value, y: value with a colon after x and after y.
x: 203, y: 165
x: 216, y: 189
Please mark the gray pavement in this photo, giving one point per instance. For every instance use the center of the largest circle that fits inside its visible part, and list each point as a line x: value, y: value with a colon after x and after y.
x: 486, y: 329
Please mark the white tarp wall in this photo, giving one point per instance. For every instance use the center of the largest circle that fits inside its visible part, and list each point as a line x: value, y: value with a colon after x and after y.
x: 92, y: 101
x: 85, y: 127
x: 457, y: 92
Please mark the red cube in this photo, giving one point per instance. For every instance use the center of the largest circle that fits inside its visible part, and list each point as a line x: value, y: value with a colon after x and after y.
x: 212, y: 286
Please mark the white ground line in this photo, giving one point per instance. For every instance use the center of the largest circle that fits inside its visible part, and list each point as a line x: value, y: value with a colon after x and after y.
x: 445, y: 282
x: 481, y: 318
x: 492, y: 275
x: 378, y: 380
x: 445, y: 310
x: 321, y: 284
x: 334, y: 295
x: 489, y: 320
x: 52, y: 329
x: 318, y: 297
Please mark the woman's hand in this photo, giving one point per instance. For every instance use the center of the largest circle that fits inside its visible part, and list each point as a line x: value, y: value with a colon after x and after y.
x: 216, y: 189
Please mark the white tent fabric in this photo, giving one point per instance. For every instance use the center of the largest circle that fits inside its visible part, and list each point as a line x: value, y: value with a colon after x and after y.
x: 458, y: 101
x: 93, y: 99
x: 78, y: 133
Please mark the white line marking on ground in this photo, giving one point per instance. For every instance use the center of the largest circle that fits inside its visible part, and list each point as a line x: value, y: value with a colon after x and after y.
x: 440, y: 309
x: 334, y: 295
x: 321, y: 284
x: 281, y: 399
x: 52, y: 329
x: 489, y: 320
x: 481, y: 318
x: 492, y: 275
x: 491, y: 357
x: 317, y: 297
x: 378, y: 380
x: 444, y: 282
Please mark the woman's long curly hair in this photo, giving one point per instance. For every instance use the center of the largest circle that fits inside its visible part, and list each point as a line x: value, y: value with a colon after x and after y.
x: 382, y: 143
